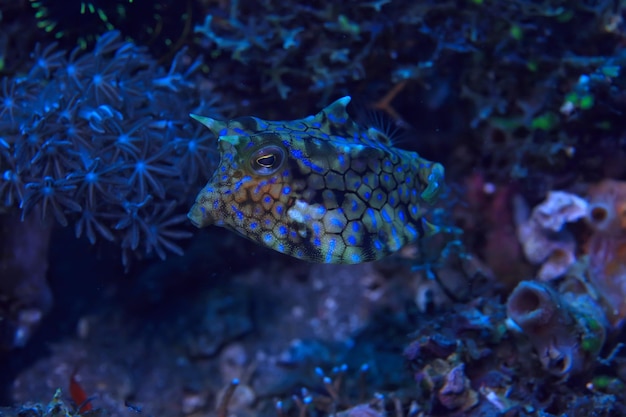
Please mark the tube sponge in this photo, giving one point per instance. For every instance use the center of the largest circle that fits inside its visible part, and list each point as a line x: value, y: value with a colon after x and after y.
x: 567, y: 331
x: 607, y: 208
x: 607, y: 246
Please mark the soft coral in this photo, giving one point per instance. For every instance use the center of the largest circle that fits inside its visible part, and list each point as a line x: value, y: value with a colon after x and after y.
x: 87, y: 136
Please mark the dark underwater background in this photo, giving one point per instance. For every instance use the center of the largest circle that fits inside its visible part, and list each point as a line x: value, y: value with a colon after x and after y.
x: 112, y: 303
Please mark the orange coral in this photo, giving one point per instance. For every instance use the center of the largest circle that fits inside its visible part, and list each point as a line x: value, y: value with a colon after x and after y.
x: 607, y: 208
x: 607, y: 271
x: 607, y: 246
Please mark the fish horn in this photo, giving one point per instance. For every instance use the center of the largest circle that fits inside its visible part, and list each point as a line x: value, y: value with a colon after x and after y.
x: 215, y: 126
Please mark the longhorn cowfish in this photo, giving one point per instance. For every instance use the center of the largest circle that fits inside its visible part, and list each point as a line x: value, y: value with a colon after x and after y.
x: 324, y: 188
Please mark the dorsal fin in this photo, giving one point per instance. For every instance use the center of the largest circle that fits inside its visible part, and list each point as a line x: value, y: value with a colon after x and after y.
x: 379, y: 125
x: 379, y: 136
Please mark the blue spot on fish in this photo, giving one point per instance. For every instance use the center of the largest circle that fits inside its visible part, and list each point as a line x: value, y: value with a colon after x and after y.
x: 372, y: 216
x: 331, y: 249
x: 337, y: 223
x: 238, y: 212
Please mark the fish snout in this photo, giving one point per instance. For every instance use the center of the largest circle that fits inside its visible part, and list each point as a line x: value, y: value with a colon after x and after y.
x: 200, y: 216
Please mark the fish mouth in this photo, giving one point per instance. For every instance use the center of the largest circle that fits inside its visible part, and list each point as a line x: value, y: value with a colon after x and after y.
x: 200, y: 216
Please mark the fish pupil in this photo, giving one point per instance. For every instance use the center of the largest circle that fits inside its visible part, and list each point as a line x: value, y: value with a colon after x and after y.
x: 266, y: 161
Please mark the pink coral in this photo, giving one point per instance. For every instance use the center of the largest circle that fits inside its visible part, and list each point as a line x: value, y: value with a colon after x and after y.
x: 488, y: 218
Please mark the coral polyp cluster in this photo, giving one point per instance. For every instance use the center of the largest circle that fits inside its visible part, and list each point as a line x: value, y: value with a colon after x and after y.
x: 100, y: 140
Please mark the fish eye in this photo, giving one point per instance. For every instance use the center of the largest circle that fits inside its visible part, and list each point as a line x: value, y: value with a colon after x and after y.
x: 267, y: 160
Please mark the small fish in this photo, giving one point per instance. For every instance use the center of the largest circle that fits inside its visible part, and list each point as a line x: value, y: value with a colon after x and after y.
x: 78, y: 394
x: 323, y: 188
